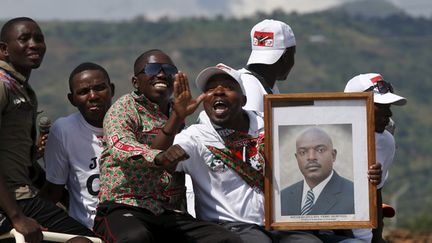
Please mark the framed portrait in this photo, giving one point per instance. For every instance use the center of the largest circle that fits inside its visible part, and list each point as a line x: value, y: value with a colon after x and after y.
x: 319, y: 147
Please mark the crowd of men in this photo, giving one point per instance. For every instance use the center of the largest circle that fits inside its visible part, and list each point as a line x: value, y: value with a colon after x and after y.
x: 124, y: 162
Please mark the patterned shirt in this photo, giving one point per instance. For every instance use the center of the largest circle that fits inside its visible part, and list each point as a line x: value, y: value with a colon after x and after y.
x: 128, y: 173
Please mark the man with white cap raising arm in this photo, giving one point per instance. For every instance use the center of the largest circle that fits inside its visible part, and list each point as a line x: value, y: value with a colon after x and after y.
x: 226, y: 160
x: 272, y: 58
x: 384, y: 141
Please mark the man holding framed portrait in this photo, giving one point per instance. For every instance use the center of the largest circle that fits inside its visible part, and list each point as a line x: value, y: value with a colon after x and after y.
x: 313, y: 123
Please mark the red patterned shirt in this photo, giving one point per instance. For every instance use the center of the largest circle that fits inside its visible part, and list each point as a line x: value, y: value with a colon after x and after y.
x: 128, y: 174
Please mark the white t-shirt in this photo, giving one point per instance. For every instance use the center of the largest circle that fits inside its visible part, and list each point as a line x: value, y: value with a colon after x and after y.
x: 72, y: 158
x: 220, y: 193
x: 190, y: 196
x: 385, y: 151
x: 254, y: 91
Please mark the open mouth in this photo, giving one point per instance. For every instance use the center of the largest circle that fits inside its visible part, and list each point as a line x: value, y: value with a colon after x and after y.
x: 220, y: 107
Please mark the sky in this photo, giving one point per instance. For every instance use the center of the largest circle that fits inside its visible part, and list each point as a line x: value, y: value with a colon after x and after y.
x: 151, y: 9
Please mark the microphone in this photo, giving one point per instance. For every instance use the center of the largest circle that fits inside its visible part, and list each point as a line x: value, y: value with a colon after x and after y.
x: 37, y: 173
x: 44, y: 125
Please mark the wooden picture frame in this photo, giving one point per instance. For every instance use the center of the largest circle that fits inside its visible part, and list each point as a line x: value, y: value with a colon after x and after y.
x: 348, y: 120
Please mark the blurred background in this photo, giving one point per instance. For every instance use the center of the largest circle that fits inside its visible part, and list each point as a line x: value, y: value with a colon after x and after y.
x: 336, y: 40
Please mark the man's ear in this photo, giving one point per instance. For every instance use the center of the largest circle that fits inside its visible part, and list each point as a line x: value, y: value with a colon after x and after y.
x: 70, y: 98
x: 334, y: 153
x: 112, y: 86
x: 3, y: 49
x: 244, y: 100
x: 135, y: 82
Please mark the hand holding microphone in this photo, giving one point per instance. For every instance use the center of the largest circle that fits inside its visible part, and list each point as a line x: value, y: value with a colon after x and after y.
x: 44, y: 126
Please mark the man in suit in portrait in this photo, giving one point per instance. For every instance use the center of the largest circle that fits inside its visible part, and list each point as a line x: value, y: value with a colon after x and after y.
x: 322, y: 191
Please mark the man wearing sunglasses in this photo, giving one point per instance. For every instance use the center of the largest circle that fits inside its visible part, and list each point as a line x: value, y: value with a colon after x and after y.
x: 384, y: 141
x: 141, y: 197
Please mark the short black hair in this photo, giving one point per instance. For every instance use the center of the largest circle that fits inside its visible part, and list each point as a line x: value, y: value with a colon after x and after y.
x: 10, y: 24
x: 87, y: 66
x: 144, y: 56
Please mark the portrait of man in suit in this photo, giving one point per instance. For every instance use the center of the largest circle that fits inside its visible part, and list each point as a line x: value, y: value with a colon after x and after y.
x: 323, y: 190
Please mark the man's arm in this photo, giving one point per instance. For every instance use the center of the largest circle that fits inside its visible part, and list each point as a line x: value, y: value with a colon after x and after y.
x: 31, y: 229
x: 171, y: 157
x: 24, y: 225
x: 56, y: 164
x: 125, y: 139
x: 52, y: 192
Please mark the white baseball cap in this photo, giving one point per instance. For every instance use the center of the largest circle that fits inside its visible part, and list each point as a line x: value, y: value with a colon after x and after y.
x: 269, y: 39
x: 369, y: 81
x: 204, y: 76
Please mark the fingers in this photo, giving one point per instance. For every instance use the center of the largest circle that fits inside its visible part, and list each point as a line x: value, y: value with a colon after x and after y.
x: 34, y: 237
x: 176, y: 91
x: 172, y: 155
x: 175, y: 153
x: 375, y: 180
x: 32, y: 231
x: 374, y: 174
x: 200, y: 98
x: 42, y: 142
x: 179, y: 83
x: 376, y: 166
x: 185, y: 83
x: 193, y: 105
x: 44, y: 138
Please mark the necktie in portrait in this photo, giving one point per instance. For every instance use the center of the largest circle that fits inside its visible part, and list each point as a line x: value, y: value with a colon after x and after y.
x: 307, y: 207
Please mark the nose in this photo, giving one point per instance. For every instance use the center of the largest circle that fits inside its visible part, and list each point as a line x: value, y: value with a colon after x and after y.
x: 34, y: 43
x: 219, y: 90
x: 93, y: 94
x: 311, y: 154
x: 161, y: 73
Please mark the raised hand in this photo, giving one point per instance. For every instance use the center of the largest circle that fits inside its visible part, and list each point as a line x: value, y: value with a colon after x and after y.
x: 183, y: 103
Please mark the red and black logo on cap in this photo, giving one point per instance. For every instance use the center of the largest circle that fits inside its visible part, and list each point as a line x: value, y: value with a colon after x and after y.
x: 263, y: 39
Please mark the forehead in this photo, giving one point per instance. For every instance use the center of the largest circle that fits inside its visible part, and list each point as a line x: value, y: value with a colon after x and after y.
x: 313, y: 138
x: 381, y: 106
x: 156, y: 57
x: 222, y: 79
x: 23, y: 27
x: 88, y: 77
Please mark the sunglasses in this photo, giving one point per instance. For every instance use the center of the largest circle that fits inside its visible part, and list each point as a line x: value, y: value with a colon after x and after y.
x: 382, y: 86
x: 153, y: 69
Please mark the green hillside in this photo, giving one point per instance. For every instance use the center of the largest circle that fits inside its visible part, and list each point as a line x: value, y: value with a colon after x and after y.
x: 331, y: 48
